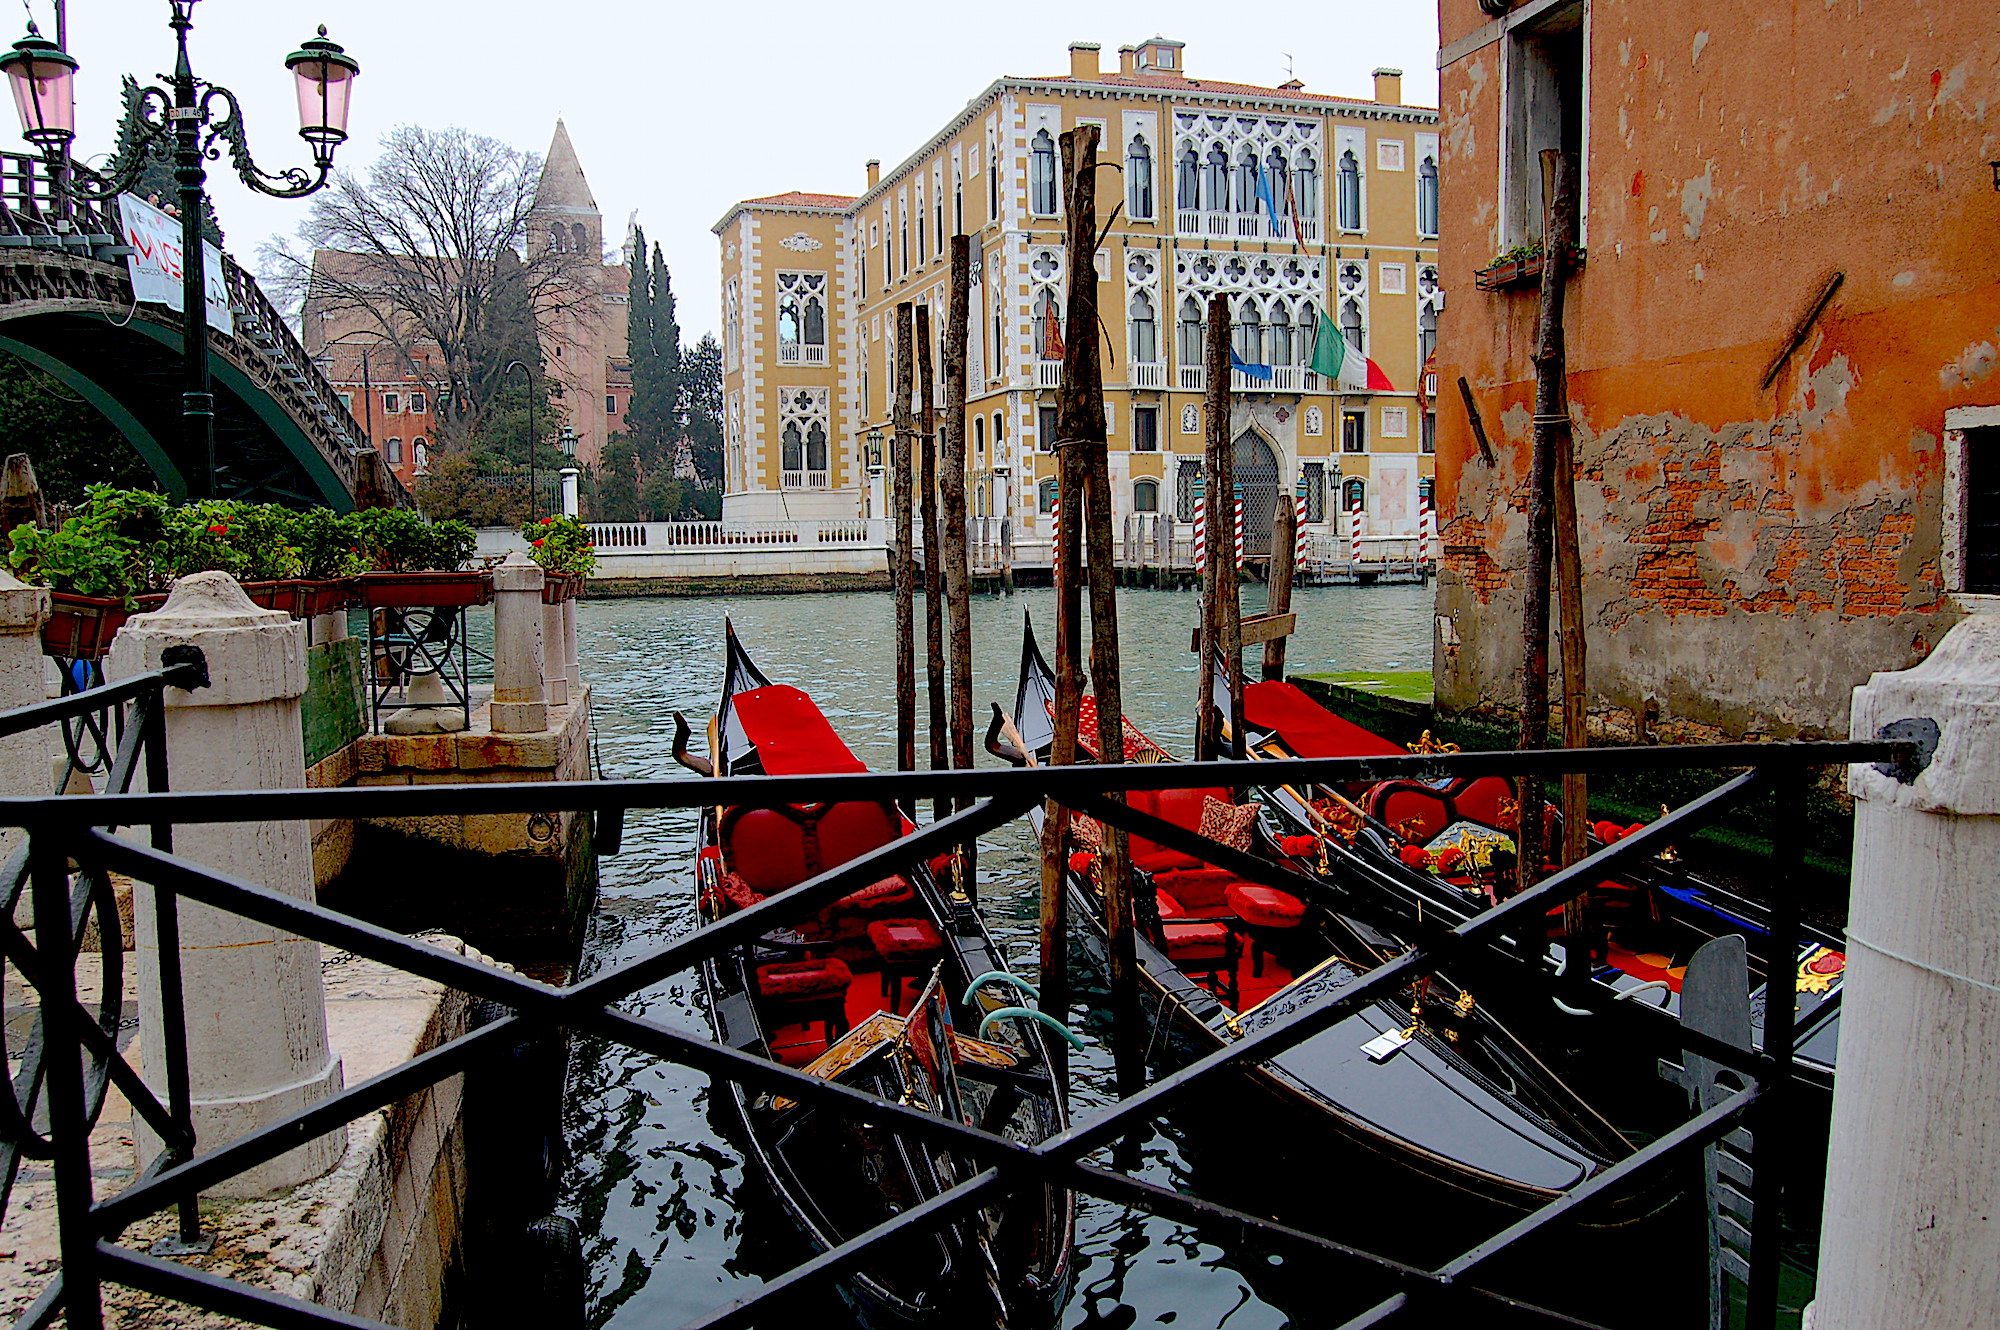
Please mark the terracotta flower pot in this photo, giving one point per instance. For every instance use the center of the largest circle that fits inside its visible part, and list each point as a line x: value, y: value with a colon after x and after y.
x: 303, y: 598
x: 433, y: 590
x: 559, y: 587
x: 81, y: 627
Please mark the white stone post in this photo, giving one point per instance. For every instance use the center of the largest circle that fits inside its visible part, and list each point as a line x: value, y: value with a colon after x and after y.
x: 555, y: 656
x: 574, y: 669
x: 24, y: 758
x: 520, y: 696
x: 256, y: 1009
x: 1911, y: 1228
x: 570, y: 505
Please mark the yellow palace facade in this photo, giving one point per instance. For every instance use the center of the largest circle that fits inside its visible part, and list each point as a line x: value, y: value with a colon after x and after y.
x: 1305, y: 210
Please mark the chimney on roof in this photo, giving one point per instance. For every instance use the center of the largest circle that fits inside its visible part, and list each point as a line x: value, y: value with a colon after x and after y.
x: 1083, y: 60
x: 1292, y: 85
x: 1127, y: 56
x: 874, y: 172
x: 1389, y: 87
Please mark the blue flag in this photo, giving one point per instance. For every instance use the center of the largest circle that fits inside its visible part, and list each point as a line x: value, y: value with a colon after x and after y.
x: 1269, y: 198
x: 1260, y: 373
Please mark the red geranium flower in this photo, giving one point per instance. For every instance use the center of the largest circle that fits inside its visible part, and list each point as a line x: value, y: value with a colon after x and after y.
x: 219, y: 530
x: 538, y: 544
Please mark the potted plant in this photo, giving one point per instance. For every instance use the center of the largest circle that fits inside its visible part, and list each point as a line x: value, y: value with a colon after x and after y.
x: 98, y: 566
x: 563, y: 547
x: 328, y: 549
x: 418, y: 563
x: 1520, y: 266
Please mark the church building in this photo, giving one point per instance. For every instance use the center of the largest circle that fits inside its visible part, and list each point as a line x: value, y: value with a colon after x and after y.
x: 1308, y: 211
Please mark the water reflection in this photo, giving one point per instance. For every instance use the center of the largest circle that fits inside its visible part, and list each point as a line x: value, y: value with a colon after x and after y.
x: 656, y: 1185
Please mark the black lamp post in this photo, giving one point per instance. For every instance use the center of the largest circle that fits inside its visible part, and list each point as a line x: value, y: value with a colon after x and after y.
x: 529, y: 374
x: 201, y: 117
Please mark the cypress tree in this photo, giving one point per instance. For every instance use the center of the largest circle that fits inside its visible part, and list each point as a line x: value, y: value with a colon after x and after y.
x: 156, y: 178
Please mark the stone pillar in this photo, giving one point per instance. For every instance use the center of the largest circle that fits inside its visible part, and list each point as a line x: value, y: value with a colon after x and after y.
x: 520, y: 696
x: 1910, y: 1236
x: 25, y: 759
x: 256, y: 1009
x: 555, y: 656
x: 570, y: 505
x: 574, y: 670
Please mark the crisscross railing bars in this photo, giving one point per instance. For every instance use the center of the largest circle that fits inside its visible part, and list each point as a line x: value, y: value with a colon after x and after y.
x: 90, y: 1229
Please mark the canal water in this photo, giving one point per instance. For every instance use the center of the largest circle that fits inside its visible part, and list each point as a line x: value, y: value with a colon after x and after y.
x: 674, y: 1227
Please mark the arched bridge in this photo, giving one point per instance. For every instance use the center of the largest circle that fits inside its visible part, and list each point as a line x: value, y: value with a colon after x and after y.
x: 66, y: 306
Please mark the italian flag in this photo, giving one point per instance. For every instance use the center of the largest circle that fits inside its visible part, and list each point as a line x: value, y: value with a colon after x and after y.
x: 1331, y: 360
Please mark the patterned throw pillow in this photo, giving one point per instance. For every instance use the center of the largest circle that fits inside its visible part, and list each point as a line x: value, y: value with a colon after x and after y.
x: 1228, y: 824
x: 1086, y: 831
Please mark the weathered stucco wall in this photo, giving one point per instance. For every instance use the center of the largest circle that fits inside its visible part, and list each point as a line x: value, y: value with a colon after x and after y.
x: 1750, y: 554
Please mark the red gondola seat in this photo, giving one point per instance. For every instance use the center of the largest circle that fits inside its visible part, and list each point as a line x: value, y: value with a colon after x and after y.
x: 908, y: 948
x: 1204, y: 949
x: 1265, y: 907
x: 1180, y: 807
x: 1200, y: 891
x: 806, y: 992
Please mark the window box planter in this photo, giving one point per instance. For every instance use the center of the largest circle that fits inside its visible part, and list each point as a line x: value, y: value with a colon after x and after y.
x: 426, y: 590
x: 303, y: 599
x: 559, y: 587
x: 1513, y: 274
x: 81, y: 627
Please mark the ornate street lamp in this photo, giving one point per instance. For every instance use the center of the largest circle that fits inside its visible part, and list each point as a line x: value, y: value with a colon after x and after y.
x: 202, y: 118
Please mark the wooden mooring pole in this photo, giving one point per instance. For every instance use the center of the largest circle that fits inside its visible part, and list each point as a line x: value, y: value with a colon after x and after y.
x: 1222, y: 620
x: 934, y: 667
x: 957, y: 569
x: 902, y: 566
x: 1284, y: 569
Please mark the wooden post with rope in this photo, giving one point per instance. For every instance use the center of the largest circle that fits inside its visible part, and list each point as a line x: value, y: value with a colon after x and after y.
x: 902, y: 566
x: 957, y: 569
x: 927, y: 481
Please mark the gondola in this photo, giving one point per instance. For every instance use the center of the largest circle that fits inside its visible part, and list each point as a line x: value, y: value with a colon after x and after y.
x: 1429, y: 1083
x: 1441, y: 849
x: 896, y: 989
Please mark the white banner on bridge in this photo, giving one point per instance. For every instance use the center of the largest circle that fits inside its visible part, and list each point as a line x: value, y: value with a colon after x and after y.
x: 155, y: 262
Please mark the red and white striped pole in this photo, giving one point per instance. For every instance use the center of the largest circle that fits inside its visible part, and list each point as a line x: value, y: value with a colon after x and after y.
x: 1301, y: 544
x: 1354, y: 513
x: 1200, y: 526
x: 1239, y: 528
x: 1428, y: 527
x: 1055, y: 532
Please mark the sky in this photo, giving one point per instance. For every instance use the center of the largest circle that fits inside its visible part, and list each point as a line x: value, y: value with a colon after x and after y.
x: 679, y: 110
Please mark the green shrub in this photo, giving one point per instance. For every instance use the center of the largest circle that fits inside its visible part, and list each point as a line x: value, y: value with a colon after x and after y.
x: 106, y: 548
x: 252, y: 542
x: 400, y: 541
x: 329, y: 544
x: 561, y: 545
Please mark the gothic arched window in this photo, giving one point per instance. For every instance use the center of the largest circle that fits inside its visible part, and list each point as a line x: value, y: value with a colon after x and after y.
x: 815, y: 447
x: 1427, y: 196
x: 1427, y: 333
x: 1305, y: 184
x: 1250, y: 334
x: 815, y: 322
x: 1350, y: 192
x: 582, y: 235
x: 1350, y: 323
x: 1045, y: 496
x: 1145, y: 331
x: 1215, y: 180
x: 1042, y: 174
x: 1188, y: 188
x: 1247, y: 200
x: 793, y: 442
x: 1281, y: 335
x: 1139, y: 179
x: 1354, y: 494
x: 1191, y: 332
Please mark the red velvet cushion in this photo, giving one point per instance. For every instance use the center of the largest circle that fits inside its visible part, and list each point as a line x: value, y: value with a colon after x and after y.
x: 1169, y: 907
x: 1190, y: 942
x: 767, y: 849
x: 1487, y: 801
x: 1265, y: 907
x: 1196, y: 888
x: 904, y: 939
x: 849, y: 830
x: 1412, y: 813
x: 804, y: 981
x: 891, y: 893
x: 1182, y: 808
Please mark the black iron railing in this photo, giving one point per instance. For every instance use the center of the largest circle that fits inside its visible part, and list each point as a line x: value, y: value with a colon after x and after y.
x: 76, y: 829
